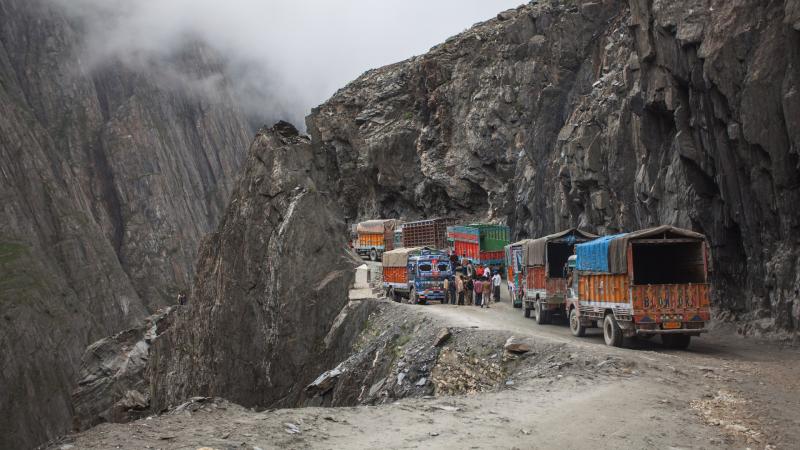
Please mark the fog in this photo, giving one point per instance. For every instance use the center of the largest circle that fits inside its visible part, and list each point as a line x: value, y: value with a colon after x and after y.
x: 282, y: 57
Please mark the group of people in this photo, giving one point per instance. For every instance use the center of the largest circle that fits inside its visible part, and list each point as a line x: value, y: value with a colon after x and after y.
x: 472, y: 286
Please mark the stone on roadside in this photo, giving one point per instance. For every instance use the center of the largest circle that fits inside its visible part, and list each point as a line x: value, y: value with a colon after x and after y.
x: 514, y: 346
x: 441, y: 337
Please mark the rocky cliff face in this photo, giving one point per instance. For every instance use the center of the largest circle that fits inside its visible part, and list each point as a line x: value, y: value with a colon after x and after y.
x: 609, y: 115
x: 108, y: 181
x: 271, y: 283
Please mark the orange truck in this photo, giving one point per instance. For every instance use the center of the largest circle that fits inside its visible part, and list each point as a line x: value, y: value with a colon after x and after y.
x: 650, y: 282
x: 374, y: 237
x: 544, y: 282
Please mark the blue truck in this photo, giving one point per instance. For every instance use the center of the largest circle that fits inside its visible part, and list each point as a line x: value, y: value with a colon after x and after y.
x: 416, y: 274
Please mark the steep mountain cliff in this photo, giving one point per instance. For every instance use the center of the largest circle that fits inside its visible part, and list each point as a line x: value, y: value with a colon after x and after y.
x: 271, y: 283
x: 610, y: 115
x: 108, y: 180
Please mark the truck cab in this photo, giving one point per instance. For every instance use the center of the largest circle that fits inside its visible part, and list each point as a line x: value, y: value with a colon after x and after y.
x: 426, y: 274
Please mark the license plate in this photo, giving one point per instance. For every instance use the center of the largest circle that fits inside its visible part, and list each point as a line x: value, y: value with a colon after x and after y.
x: 671, y: 325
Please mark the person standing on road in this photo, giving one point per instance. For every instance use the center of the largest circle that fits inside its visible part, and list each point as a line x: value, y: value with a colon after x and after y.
x: 468, y: 290
x: 496, y: 282
x: 478, y: 287
x: 452, y: 290
x: 470, y: 270
x: 460, y: 289
x: 446, y: 290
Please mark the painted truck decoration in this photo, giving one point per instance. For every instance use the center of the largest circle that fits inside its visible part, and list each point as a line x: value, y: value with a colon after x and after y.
x: 416, y: 274
x: 515, y: 272
x: 650, y: 282
x: 483, y: 244
x: 374, y: 237
x: 544, y: 281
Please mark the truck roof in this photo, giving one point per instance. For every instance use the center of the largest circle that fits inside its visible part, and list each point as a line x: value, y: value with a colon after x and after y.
x: 535, y: 248
x: 609, y: 253
x: 377, y: 226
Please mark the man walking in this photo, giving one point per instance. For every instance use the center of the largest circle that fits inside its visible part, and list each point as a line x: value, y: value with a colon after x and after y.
x: 496, y: 282
x: 452, y: 291
x: 460, y: 289
x: 469, y: 287
x: 478, y: 292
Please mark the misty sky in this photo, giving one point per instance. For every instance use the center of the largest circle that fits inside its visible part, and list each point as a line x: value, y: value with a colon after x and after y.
x: 286, y: 55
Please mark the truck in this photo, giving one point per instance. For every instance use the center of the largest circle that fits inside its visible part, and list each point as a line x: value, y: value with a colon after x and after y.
x: 646, y: 283
x: 483, y: 244
x: 374, y: 237
x: 515, y: 271
x: 544, y: 281
x: 430, y: 233
x: 416, y: 274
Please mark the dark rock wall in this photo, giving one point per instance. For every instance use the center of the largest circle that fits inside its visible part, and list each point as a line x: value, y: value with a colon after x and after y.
x: 108, y: 180
x: 609, y: 115
x: 271, y: 283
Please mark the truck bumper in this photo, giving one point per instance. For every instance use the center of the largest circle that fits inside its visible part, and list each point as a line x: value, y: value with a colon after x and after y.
x: 689, y: 331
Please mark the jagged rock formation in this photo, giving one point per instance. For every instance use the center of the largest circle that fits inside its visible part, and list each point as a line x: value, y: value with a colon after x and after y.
x: 108, y: 181
x: 271, y: 283
x: 606, y: 114
x: 609, y: 115
x: 112, y: 384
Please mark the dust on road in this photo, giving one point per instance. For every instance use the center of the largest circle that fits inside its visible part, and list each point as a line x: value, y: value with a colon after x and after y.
x: 723, y: 392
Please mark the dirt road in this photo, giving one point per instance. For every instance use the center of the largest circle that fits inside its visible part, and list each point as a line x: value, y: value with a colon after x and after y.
x: 724, y: 392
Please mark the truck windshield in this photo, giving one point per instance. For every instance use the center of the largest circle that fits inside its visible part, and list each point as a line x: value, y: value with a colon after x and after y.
x: 443, y: 267
x: 425, y: 267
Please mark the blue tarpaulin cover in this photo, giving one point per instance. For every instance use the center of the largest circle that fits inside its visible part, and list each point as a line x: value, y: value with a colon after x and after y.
x: 592, y: 256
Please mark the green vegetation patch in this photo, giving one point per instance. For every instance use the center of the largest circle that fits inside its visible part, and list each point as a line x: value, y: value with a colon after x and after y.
x: 11, y: 251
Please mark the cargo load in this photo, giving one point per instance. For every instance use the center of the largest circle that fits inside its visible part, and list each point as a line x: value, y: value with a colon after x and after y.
x: 645, y: 283
x: 483, y: 244
x: 430, y: 233
x: 374, y: 237
x: 545, y: 272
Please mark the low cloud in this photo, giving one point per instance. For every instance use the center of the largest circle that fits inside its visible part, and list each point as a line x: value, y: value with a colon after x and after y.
x: 282, y: 57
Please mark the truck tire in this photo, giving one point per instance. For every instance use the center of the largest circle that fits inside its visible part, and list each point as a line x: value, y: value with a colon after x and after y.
x: 612, y: 333
x: 373, y: 255
x: 676, y: 341
x: 527, y: 313
x: 394, y: 295
x: 575, y: 326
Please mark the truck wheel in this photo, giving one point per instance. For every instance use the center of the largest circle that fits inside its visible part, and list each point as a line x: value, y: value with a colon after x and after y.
x: 575, y: 324
x: 373, y: 255
x: 612, y: 333
x: 394, y: 295
x: 527, y: 312
x: 676, y: 341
